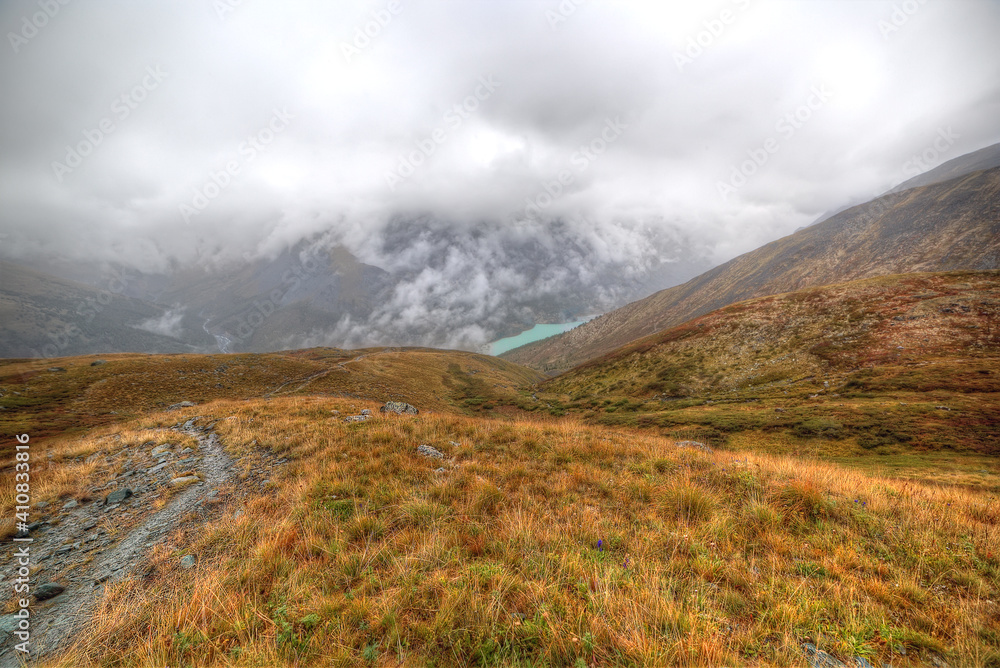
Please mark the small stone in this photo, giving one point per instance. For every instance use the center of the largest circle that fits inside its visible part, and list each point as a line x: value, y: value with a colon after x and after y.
x: 693, y: 444
x: 214, y: 493
x: 428, y: 451
x: 238, y: 514
x: 455, y: 444
x: 441, y: 470
x: 184, y: 480
x: 117, y: 496
x: 48, y: 590
x: 186, y: 450
x: 357, y: 418
x: 399, y: 408
x: 42, y: 504
x: 160, y: 449
x: 182, y: 404
x: 366, y: 411
x: 188, y: 561
x: 156, y: 468
x: 72, y: 503
x: 98, y: 362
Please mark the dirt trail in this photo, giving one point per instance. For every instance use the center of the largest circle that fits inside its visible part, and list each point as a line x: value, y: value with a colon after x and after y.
x: 56, y: 623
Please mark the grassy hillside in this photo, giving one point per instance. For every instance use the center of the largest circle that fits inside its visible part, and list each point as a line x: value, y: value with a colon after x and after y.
x: 56, y: 396
x: 362, y: 552
x: 942, y: 227
x: 900, y: 366
x: 583, y: 539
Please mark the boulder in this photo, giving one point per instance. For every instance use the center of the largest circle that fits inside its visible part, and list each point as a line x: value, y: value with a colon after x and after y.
x: 184, y: 480
x: 48, y: 590
x: 428, y: 451
x: 117, y: 496
x: 399, y: 408
x: 693, y: 444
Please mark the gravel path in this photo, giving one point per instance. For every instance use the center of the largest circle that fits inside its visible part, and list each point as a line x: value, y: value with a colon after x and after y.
x: 56, y: 623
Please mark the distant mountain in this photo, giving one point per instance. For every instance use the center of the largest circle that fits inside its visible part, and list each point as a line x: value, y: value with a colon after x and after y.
x: 47, y: 316
x: 945, y: 226
x: 984, y: 158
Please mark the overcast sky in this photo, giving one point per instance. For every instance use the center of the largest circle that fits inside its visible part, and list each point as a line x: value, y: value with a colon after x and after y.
x: 196, y: 129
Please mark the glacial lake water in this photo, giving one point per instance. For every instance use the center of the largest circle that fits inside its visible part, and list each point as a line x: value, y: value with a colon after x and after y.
x: 536, y: 333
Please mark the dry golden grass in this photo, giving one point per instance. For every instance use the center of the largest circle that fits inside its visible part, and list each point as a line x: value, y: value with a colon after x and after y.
x: 364, y: 554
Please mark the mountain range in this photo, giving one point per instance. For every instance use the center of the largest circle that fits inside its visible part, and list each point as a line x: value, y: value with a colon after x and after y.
x: 947, y: 219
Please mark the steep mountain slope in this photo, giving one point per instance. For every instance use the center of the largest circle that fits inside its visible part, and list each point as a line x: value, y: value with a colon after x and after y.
x: 46, y: 316
x: 910, y: 361
x: 941, y: 227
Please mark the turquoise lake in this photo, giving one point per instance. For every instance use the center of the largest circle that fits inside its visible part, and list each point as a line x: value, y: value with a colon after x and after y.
x: 536, y: 333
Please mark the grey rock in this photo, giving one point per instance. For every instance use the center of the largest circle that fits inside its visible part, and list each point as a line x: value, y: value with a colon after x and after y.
x: 186, y: 450
x: 399, y: 408
x: 188, y: 561
x: 117, y: 496
x: 238, y: 514
x: 182, y: 404
x: 64, y: 549
x: 183, y: 480
x: 819, y: 659
x: 8, y: 624
x: 357, y: 418
x: 98, y: 362
x: 428, y: 451
x: 899, y: 649
x: 861, y: 662
x: 158, y: 467
x: 72, y: 503
x: 366, y: 411
x: 56, y: 369
x: 441, y: 470
x: 160, y: 449
x: 693, y: 444
x: 214, y: 493
x: 48, y: 590
x: 42, y: 504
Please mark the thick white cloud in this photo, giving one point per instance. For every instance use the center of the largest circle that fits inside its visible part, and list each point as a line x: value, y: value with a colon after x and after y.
x: 562, y: 73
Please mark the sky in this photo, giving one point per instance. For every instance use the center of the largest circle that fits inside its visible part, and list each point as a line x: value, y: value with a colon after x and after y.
x: 161, y: 134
